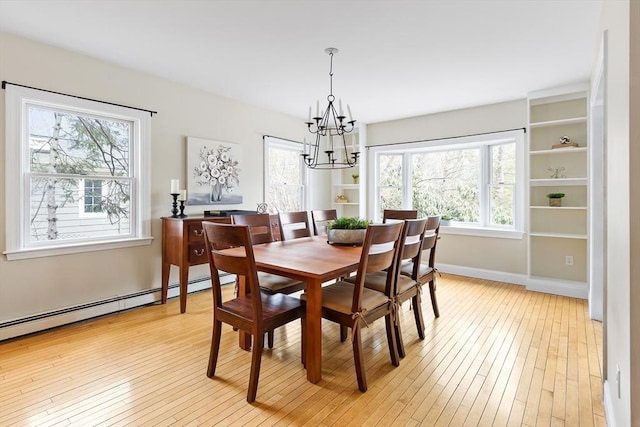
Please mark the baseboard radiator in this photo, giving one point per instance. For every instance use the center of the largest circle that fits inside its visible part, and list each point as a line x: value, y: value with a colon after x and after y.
x: 43, y: 321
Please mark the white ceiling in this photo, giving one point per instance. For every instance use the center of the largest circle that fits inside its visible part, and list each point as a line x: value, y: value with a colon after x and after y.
x: 397, y: 58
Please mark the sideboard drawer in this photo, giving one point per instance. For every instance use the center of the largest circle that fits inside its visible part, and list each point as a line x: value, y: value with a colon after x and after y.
x: 197, y: 254
x: 195, y: 232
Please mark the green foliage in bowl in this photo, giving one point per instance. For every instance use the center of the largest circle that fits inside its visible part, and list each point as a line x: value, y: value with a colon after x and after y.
x: 348, y: 223
x: 555, y: 195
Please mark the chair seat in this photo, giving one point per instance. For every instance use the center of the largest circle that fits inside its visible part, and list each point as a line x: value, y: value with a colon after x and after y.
x: 276, y: 309
x: 407, y: 269
x: 378, y: 281
x: 339, y: 297
x: 272, y: 283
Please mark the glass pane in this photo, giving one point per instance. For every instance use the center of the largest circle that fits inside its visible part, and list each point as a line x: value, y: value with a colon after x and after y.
x: 503, y: 163
x: 390, y: 167
x: 66, y: 143
x: 57, y: 208
x: 285, y: 179
x: 447, y: 183
x: 502, y: 203
x: 285, y: 198
x: 390, y: 198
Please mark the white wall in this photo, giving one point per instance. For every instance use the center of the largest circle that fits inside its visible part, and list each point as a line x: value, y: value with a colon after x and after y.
x: 615, y: 20
x: 464, y: 251
x: 34, y: 286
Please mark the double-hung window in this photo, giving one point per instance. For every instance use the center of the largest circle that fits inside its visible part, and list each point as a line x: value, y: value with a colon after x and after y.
x: 474, y: 182
x: 77, y: 175
x: 285, y: 175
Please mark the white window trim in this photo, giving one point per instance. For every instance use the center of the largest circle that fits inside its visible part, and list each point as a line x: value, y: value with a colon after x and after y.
x: 272, y: 141
x: 445, y: 144
x: 17, y: 160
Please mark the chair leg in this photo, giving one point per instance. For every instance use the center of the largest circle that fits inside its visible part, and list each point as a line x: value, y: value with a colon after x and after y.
x: 399, y: 340
x: 416, y: 302
x: 434, y: 301
x: 391, y: 340
x: 256, y: 358
x: 343, y: 333
x: 215, y: 348
x: 270, y: 338
x: 359, y: 359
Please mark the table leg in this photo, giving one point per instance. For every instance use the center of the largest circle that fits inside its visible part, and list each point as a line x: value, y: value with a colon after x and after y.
x: 184, y: 282
x: 313, y: 337
x: 166, y: 268
x: 243, y: 337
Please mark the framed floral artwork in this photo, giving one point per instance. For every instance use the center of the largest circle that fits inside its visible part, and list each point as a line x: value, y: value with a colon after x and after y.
x: 213, y: 172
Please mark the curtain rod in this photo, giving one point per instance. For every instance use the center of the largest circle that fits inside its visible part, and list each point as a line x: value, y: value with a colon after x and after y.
x: 4, y: 83
x: 447, y: 137
x: 283, y: 139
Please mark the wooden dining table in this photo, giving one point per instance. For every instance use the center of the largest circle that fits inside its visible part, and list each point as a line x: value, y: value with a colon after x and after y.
x: 313, y: 261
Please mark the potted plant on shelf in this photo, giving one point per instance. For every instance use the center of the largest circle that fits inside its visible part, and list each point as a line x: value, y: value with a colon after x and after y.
x: 347, y: 230
x: 555, y: 199
x: 355, y: 177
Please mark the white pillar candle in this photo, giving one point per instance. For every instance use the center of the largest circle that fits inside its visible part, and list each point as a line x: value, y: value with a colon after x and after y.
x: 175, y: 186
x: 317, y: 108
x: 309, y: 117
x: 183, y: 195
x: 350, y: 115
x: 340, y: 107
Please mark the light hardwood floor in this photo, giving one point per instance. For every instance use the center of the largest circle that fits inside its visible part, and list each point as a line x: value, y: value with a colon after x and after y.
x: 498, y: 355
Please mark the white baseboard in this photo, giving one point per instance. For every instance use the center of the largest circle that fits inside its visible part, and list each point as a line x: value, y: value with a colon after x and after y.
x: 608, y: 406
x: 567, y: 288
x: 43, y: 321
x: 498, y: 276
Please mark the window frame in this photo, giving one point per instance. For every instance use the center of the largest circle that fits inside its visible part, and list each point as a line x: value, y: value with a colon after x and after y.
x: 274, y: 142
x: 17, y: 101
x: 485, y: 229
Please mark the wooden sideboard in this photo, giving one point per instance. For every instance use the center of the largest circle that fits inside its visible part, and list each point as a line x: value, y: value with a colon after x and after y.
x: 183, y: 246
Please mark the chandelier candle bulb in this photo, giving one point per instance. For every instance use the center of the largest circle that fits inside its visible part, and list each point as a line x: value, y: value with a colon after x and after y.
x: 350, y: 115
x: 175, y: 186
x: 317, y: 108
x: 309, y: 118
x: 340, y: 107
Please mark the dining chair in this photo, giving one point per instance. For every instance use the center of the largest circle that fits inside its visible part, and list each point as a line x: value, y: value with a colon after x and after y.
x: 294, y: 225
x: 405, y: 287
x: 354, y: 306
x: 255, y: 312
x: 261, y: 232
x: 425, y: 272
x: 320, y: 219
x: 398, y: 214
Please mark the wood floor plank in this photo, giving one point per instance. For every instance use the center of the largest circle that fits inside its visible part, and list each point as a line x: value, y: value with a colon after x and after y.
x: 498, y: 356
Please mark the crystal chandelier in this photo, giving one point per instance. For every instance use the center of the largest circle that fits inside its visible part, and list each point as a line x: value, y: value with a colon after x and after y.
x: 329, y: 151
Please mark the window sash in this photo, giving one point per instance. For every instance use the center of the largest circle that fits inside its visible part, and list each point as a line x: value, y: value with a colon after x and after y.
x: 301, y: 185
x: 482, y: 142
x: 18, y: 101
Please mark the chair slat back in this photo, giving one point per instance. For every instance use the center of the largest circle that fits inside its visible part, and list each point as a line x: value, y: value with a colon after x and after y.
x: 218, y: 237
x: 259, y: 226
x: 379, y: 252
x: 432, y: 235
x: 320, y: 219
x: 412, y: 238
x: 400, y: 215
x: 294, y: 225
